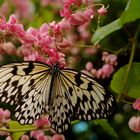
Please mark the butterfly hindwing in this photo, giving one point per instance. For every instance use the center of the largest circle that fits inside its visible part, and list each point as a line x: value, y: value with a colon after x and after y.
x: 87, y: 97
x: 61, y: 110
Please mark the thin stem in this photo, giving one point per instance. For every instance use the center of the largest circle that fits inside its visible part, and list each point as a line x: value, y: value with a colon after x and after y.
x: 84, y: 46
x: 22, y: 129
x: 124, y: 88
x: 17, y: 130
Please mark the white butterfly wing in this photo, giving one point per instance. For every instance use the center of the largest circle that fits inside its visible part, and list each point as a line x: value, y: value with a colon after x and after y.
x: 88, y: 98
x: 25, y: 85
x: 78, y: 96
x: 61, y: 111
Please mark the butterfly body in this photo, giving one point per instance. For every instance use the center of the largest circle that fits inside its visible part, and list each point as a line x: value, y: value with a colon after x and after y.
x: 68, y: 94
x: 54, y: 72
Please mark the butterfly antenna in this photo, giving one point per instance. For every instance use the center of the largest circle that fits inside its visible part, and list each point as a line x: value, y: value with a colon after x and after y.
x: 44, y: 56
x: 50, y: 61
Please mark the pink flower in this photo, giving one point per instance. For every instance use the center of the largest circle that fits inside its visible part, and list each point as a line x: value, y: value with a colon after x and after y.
x: 90, y: 51
x: 64, y: 44
x: 4, y: 133
x: 31, y: 57
x: 66, y: 11
x: 69, y: 1
x: 25, y: 137
x: 93, y: 72
x: 7, y: 114
x: 42, y: 137
x: 14, y: 27
x: 35, y: 134
x: 136, y: 104
x: 9, y: 48
x: 3, y: 25
x: 89, y: 13
x: 42, y: 122
x: 23, y: 8
x: 107, y: 70
x: 13, y: 19
x: 4, y: 9
x: 44, y: 29
x: 89, y: 66
x: 99, y: 73
x: 78, y: 2
x: 8, y: 138
x: 109, y: 58
x: 65, y: 24
x: 58, y: 137
x: 80, y: 17
x: 84, y: 32
x: 102, y: 11
x: 104, y: 55
x: 4, y: 116
x: 134, y: 124
x: 32, y: 32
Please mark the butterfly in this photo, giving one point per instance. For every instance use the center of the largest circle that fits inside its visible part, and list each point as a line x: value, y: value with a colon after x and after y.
x: 67, y: 94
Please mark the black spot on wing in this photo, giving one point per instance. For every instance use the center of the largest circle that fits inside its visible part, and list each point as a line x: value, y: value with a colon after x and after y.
x: 90, y: 86
x: 85, y: 99
x: 77, y: 79
x: 29, y: 68
x: 70, y: 91
x: 15, y: 83
x: 14, y: 72
x: 31, y: 82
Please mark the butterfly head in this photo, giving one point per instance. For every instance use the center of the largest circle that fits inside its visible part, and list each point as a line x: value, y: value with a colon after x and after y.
x: 55, y: 68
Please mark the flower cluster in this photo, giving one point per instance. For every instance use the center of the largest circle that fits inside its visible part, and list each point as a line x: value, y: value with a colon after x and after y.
x: 43, y: 122
x: 79, y: 17
x: 4, y: 119
x: 39, y: 135
x: 110, y: 61
x: 23, y: 9
x: 134, y: 122
x: 4, y: 116
x: 43, y: 44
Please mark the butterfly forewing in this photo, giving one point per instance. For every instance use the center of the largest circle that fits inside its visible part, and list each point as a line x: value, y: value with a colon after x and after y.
x: 25, y: 85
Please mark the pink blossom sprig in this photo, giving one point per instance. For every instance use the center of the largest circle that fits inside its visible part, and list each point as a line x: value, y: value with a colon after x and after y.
x: 4, y: 116
x: 134, y: 122
x: 110, y: 61
x: 79, y: 17
x: 4, y: 119
x: 82, y: 16
x: 39, y: 135
x: 102, y: 11
x: 42, y: 122
x: 136, y: 104
x: 22, y: 9
x: 44, y: 44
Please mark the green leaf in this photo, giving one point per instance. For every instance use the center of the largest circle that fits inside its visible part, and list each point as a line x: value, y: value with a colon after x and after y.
x: 133, y: 84
x: 106, y: 126
x: 18, y: 129
x: 105, y: 30
x: 131, y: 13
